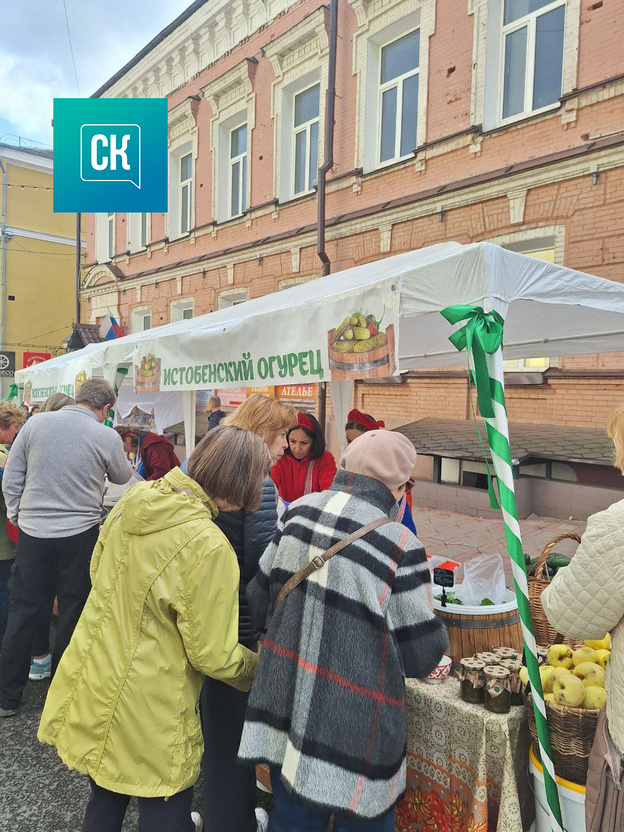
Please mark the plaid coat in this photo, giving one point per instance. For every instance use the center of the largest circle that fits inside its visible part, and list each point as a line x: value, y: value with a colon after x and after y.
x: 327, y: 703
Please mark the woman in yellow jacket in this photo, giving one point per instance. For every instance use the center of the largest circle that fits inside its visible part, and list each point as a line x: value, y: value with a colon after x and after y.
x: 162, y: 614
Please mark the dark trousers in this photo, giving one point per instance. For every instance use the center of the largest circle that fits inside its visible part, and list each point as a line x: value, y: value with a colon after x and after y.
x: 291, y: 815
x: 229, y: 786
x: 5, y: 574
x: 40, y: 563
x: 106, y: 810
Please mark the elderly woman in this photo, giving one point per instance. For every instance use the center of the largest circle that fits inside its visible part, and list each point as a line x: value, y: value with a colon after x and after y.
x: 11, y: 419
x: 162, y: 614
x: 586, y: 600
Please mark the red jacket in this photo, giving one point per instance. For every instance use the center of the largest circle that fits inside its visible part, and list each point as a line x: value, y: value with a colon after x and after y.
x: 157, y: 456
x: 289, y: 475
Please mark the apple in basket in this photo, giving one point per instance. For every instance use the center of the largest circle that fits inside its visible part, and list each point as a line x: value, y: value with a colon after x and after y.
x: 439, y: 673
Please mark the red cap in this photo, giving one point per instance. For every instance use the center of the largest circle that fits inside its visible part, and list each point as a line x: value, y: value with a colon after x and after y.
x: 305, y: 422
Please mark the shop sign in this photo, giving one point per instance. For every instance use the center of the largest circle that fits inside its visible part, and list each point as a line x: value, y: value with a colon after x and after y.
x: 31, y: 358
x: 7, y: 363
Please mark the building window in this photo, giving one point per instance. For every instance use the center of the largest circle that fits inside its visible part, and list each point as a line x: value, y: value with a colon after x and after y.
x: 398, y: 97
x: 532, y: 48
x: 110, y: 236
x: 305, y: 139
x: 186, y: 192
x: 238, y: 170
x: 141, y: 319
x: 138, y: 231
x: 227, y: 299
x: 181, y: 310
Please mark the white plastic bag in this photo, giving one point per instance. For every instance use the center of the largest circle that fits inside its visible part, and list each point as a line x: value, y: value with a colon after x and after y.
x: 484, y: 577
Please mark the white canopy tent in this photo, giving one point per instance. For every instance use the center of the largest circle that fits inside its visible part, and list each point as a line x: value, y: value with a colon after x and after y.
x: 282, y: 338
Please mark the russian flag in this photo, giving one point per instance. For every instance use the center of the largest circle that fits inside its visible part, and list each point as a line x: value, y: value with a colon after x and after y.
x: 110, y: 329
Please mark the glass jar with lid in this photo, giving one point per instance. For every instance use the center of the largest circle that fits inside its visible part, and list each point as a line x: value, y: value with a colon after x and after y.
x: 515, y: 684
x: 507, y: 653
x: 490, y: 658
x: 497, y: 689
x: 472, y: 680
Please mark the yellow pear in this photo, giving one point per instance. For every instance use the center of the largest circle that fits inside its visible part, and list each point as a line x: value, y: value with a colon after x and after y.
x: 547, y: 675
x: 599, y: 643
x: 560, y: 655
x: 584, y: 654
x: 549, y: 697
x: 590, y: 673
x: 595, y: 698
x: 603, y: 657
x: 569, y: 690
x: 523, y: 673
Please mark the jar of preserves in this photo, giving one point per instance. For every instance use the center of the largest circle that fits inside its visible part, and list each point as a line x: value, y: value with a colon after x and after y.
x: 497, y: 689
x: 507, y: 653
x: 515, y: 684
x: 489, y: 658
x: 472, y: 680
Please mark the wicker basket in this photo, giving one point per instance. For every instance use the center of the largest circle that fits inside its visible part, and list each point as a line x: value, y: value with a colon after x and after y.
x: 572, y: 733
x: 544, y: 633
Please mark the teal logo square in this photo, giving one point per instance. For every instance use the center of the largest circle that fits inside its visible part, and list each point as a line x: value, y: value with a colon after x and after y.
x: 110, y: 155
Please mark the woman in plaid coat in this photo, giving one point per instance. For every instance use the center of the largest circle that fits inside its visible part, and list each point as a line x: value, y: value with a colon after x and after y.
x: 327, y: 708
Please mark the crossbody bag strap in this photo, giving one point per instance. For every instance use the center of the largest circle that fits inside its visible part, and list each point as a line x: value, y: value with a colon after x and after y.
x: 320, y: 560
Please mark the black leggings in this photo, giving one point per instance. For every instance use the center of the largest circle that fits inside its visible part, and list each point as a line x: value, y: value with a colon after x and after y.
x: 106, y: 811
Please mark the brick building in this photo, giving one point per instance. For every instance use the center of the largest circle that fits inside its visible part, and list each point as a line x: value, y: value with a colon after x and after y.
x: 466, y: 120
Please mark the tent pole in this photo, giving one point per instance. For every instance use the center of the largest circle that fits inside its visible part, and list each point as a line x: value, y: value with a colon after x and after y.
x: 188, y: 402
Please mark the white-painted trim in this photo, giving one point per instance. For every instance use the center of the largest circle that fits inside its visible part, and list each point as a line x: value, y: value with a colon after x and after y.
x: 48, y: 238
x: 23, y: 159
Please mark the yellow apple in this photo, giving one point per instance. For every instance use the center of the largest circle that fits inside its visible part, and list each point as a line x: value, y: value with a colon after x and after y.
x: 560, y: 655
x: 547, y: 675
x: 584, y: 654
x: 523, y: 673
x: 603, y: 657
x: 569, y: 690
x: 599, y: 643
x: 559, y: 671
x: 595, y: 698
x: 549, y: 697
x: 590, y: 674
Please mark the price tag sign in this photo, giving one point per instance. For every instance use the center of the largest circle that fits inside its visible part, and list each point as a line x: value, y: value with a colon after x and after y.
x: 443, y: 577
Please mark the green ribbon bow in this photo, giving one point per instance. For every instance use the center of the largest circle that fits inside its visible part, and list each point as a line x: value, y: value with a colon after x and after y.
x: 482, y: 333
x: 13, y: 392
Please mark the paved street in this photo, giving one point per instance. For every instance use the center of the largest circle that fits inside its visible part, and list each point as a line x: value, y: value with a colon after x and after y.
x: 37, y: 792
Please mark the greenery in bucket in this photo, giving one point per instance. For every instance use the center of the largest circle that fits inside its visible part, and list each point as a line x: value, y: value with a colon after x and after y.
x: 450, y: 599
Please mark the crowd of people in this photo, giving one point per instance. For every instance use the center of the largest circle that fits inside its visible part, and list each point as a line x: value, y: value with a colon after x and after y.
x: 202, y: 627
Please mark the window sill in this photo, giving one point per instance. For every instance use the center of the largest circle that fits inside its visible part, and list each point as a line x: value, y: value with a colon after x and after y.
x: 534, y: 115
x: 298, y: 198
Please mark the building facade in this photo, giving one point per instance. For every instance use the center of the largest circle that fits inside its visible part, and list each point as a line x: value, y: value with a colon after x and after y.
x: 465, y: 120
x: 37, y: 259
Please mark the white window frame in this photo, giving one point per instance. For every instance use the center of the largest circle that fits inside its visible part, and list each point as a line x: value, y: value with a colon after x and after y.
x: 380, y: 24
x: 110, y: 236
x: 182, y: 141
x: 138, y: 316
x: 398, y: 83
x: 306, y: 128
x: 179, y: 308
x: 139, y: 227
x: 300, y: 60
x: 242, y: 159
x: 185, y: 200
x: 102, y: 254
x: 232, y: 298
x: 488, y: 81
x: 530, y: 22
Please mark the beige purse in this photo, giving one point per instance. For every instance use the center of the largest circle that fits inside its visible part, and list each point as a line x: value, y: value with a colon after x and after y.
x: 604, y: 797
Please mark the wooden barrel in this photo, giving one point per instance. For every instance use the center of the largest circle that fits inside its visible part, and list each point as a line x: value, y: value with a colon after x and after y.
x: 477, y: 629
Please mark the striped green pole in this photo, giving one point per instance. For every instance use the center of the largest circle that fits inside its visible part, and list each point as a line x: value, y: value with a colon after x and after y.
x: 482, y: 339
x: 120, y: 375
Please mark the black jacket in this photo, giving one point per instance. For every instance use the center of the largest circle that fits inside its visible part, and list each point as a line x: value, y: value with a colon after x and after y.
x: 249, y: 534
x: 215, y: 418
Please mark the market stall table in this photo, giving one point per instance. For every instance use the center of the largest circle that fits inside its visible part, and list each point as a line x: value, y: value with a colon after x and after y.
x: 466, y: 767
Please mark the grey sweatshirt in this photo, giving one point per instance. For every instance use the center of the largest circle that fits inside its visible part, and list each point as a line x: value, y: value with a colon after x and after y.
x: 54, y: 479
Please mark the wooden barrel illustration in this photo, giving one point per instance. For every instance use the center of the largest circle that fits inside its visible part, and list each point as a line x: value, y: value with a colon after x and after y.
x: 375, y: 363
x: 477, y: 629
x: 147, y: 384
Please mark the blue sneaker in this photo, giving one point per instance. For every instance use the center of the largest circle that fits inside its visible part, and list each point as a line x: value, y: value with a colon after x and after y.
x: 40, y: 669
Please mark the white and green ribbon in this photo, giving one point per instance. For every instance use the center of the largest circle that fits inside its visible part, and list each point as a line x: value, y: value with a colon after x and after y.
x: 120, y: 375
x: 482, y: 336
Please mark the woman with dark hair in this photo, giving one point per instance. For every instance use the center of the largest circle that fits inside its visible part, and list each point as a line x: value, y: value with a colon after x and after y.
x: 306, y: 466
x: 359, y: 423
x: 162, y: 614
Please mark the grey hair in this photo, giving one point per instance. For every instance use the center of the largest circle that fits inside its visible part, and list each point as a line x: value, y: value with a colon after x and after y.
x: 96, y: 394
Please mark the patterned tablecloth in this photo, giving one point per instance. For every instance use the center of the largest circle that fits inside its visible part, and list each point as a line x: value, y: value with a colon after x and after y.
x: 467, y: 769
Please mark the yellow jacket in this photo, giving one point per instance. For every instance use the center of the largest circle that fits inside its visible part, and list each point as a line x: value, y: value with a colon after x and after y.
x: 162, y: 613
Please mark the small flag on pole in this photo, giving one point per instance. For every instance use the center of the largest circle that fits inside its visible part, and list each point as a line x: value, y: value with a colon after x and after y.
x: 110, y: 329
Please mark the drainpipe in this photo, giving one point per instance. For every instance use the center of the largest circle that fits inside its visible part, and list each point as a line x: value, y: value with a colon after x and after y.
x: 330, y: 110
x: 3, y: 236
x: 78, y: 264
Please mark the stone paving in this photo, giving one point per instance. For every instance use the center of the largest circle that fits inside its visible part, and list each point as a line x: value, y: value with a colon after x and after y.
x: 460, y: 537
